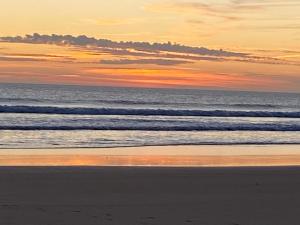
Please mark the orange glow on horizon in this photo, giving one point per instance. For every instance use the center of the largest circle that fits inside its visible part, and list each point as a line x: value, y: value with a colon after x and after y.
x: 90, y: 65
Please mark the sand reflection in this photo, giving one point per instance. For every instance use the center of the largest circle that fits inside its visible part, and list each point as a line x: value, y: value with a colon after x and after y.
x: 155, y: 156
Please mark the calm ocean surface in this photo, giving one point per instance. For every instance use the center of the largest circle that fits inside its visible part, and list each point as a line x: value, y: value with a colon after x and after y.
x: 48, y: 116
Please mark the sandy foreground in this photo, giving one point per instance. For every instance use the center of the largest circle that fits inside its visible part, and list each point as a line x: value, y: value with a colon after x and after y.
x: 144, y: 196
x: 186, y: 185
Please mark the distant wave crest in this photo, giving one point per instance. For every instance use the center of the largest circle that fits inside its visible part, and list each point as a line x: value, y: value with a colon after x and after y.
x: 144, y: 112
x: 230, y: 127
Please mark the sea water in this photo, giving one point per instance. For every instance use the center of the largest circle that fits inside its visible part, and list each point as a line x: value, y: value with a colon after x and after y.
x: 52, y: 116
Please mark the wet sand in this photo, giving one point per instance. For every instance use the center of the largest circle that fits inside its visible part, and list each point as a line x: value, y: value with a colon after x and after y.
x: 159, y: 156
x: 181, y: 185
x: 145, y: 196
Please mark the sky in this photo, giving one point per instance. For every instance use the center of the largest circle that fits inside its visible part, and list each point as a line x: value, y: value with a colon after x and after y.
x: 214, y: 44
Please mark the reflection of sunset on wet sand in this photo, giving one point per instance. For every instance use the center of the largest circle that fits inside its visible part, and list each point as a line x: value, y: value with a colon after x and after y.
x: 186, y: 161
x: 187, y: 156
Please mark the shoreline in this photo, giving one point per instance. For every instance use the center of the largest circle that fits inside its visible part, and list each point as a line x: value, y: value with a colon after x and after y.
x: 158, y: 156
x: 167, y: 145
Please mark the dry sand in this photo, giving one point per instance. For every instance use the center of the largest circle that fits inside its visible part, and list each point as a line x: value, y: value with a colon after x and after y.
x: 145, y: 196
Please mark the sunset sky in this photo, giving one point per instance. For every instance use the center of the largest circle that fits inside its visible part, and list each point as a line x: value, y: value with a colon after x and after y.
x: 215, y: 44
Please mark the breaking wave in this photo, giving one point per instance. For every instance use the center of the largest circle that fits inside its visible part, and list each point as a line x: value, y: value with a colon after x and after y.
x: 230, y: 127
x: 144, y: 112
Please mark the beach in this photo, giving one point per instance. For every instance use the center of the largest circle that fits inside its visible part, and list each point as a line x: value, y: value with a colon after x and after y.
x: 139, y: 195
x: 148, y: 112
x: 113, y: 186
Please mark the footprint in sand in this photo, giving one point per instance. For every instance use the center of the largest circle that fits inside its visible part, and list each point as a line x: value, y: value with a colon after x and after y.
x: 108, y: 217
x: 42, y: 209
x: 150, y: 218
x: 10, y: 206
x: 146, y: 220
x: 76, y: 211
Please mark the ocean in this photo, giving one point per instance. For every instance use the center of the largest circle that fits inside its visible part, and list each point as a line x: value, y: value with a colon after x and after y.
x: 52, y: 116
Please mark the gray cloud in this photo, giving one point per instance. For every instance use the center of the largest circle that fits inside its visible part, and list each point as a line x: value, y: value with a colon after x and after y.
x: 144, y: 52
x: 184, y: 58
x: 105, y: 43
x: 117, y: 52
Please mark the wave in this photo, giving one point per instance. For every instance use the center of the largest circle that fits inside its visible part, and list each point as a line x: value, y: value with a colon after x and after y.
x: 237, y: 127
x: 238, y: 105
x: 144, y: 112
x: 143, y: 102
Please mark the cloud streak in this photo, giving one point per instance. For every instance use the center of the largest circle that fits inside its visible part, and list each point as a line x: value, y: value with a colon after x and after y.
x: 231, y: 10
x: 85, y: 41
x: 265, y: 3
x: 161, y: 62
x: 127, y: 53
x: 228, y: 11
x: 28, y: 59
